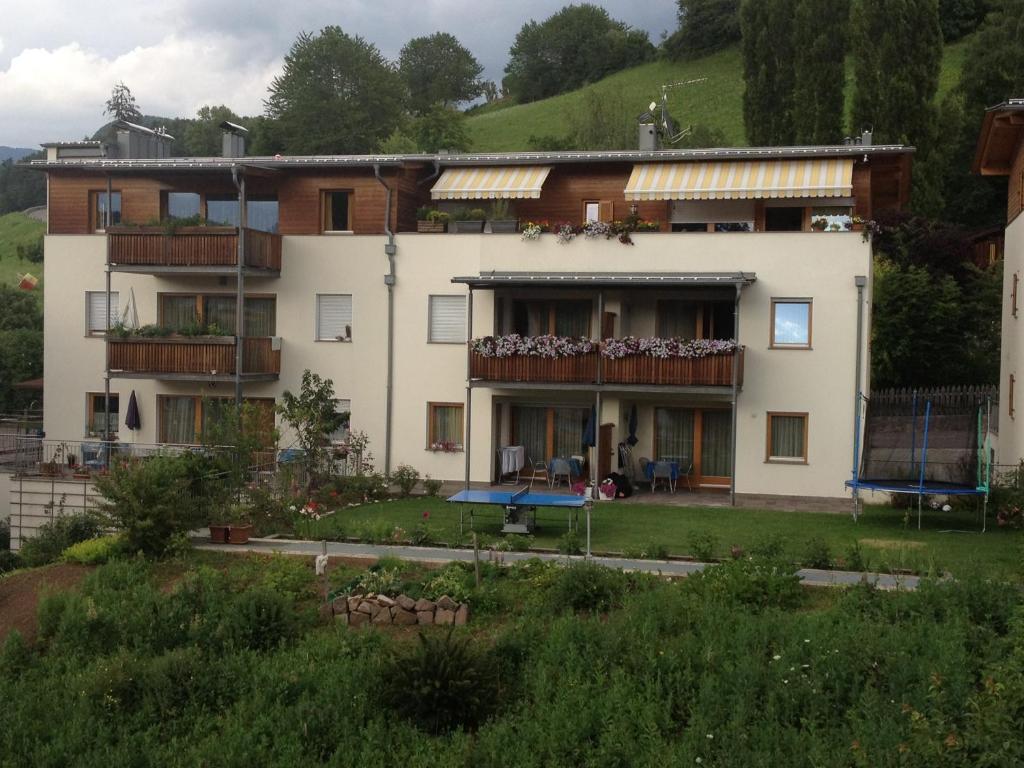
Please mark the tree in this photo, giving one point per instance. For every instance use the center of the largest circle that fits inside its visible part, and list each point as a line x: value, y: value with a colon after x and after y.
x: 21, y: 358
x: 577, y: 45
x: 897, y: 51
x: 768, y: 71
x: 705, y: 26
x: 337, y: 94
x: 819, y: 71
x: 441, y: 127
x: 312, y: 416
x: 21, y: 187
x: 121, y: 104
x: 439, y: 69
x: 202, y: 136
x: 958, y: 18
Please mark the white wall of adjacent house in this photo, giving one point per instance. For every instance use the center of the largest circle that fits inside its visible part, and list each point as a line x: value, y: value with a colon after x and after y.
x: 819, y: 381
x: 1010, y: 446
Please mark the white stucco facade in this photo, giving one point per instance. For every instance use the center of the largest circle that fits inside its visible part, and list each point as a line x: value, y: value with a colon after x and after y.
x: 1010, y: 448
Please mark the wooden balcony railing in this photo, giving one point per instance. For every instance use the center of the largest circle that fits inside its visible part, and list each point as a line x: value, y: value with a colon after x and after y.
x: 202, y: 356
x: 711, y: 371
x: 199, y: 247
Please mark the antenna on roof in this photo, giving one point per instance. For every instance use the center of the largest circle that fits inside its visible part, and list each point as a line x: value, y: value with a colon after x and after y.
x: 669, y: 129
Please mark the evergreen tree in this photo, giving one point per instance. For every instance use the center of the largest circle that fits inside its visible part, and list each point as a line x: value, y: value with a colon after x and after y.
x: 337, y: 94
x: 439, y: 69
x: 768, y: 71
x: 819, y: 71
x: 705, y: 26
x: 121, y: 104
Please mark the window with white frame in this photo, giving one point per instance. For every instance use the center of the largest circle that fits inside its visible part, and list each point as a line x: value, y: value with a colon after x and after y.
x: 334, y: 317
x: 447, y: 320
x: 96, y: 311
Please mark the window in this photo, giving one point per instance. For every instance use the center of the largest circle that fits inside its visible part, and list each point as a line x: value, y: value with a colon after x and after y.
x: 184, y: 311
x: 677, y: 319
x: 261, y: 211
x: 337, y: 211
x: 96, y: 313
x: 787, y: 437
x: 549, y: 432
x: 333, y: 317
x: 97, y: 421
x: 597, y: 210
x: 701, y: 437
x: 344, y: 409
x: 561, y: 318
x: 181, y: 418
x: 444, y: 426
x: 832, y: 219
x: 1013, y: 294
x: 784, y: 219
x: 98, y: 207
x: 791, y: 323
x: 447, y: 320
x: 689, y: 226
x: 183, y: 205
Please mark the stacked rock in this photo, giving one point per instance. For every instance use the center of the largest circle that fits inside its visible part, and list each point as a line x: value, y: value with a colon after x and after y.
x: 357, y: 610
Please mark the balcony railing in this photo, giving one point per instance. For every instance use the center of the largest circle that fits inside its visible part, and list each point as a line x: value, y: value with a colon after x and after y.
x: 200, y: 248
x: 710, y: 371
x: 203, y: 357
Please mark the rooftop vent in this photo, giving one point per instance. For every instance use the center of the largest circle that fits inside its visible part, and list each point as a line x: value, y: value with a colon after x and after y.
x: 864, y: 140
x: 647, y: 131
x: 233, y: 139
x: 137, y: 142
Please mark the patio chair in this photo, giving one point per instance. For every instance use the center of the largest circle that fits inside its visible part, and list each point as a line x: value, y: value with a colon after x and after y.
x: 688, y: 475
x: 538, y: 469
x: 663, y: 471
x: 561, y: 468
x: 643, y: 462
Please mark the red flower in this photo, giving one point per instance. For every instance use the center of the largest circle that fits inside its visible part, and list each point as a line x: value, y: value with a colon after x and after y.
x: 334, y: 494
x: 426, y: 515
x: 313, y: 505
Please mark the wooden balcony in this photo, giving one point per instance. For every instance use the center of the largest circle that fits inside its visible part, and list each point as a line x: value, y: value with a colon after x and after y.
x: 714, y: 371
x: 193, y: 250
x: 200, y: 358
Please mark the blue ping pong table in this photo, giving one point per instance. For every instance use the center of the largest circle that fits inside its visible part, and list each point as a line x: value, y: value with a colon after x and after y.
x: 520, y: 506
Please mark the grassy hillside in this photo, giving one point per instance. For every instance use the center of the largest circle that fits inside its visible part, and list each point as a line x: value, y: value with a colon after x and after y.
x: 718, y: 103
x: 18, y: 229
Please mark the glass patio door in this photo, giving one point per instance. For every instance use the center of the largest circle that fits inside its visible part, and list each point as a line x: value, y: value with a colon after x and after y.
x: 716, y: 444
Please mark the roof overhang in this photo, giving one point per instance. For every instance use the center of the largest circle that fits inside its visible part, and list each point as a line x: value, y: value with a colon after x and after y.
x: 225, y: 164
x: 606, y: 279
x: 1001, y: 133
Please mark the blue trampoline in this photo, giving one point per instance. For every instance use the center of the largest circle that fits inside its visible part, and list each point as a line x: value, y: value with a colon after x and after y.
x: 924, y: 445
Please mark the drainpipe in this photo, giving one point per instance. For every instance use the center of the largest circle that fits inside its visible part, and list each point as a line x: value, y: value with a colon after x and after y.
x: 239, y: 180
x: 469, y: 387
x: 735, y: 392
x: 389, y: 280
x: 861, y: 282
x: 106, y: 310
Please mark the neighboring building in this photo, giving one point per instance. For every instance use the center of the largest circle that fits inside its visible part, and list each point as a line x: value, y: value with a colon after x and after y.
x: 1001, y: 153
x: 760, y: 244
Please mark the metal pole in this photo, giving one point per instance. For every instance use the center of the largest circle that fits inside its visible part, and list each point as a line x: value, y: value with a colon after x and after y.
x: 924, y: 460
x: 735, y: 393
x: 588, y: 507
x: 594, y: 494
x: 390, y: 249
x: 240, y: 293
x: 469, y: 385
x: 860, y: 281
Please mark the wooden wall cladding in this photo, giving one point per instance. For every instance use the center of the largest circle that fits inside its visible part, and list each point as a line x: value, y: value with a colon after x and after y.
x: 69, y: 210
x: 300, y: 205
x: 1015, y: 198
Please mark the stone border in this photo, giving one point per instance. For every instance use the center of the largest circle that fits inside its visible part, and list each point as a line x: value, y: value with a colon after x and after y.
x: 358, y: 610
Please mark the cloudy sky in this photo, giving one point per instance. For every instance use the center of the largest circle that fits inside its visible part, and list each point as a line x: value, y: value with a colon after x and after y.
x: 59, y: 59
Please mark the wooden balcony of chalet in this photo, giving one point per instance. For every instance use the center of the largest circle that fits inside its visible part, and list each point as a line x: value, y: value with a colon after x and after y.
x: 203, y: 250
x: 198, y: 358
x: 587, y: 371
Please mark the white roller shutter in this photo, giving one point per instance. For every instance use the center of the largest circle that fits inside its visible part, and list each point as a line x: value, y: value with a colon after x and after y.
x: 333, y: 316
x: 447, y: 319
x: 95, y: 310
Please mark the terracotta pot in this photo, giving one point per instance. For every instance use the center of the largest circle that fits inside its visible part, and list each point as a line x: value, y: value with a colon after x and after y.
x: 219, y: 533
x: 239, y: 534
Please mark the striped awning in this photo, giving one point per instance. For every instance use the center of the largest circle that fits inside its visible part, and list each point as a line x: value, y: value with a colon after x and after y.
x: 740, y: 179
x: 490, y: 181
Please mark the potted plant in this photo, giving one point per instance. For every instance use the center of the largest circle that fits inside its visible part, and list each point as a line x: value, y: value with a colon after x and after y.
x: 500, y: 219
x: 235, y: 526
x: 431, y: 220
x: 469, y: 221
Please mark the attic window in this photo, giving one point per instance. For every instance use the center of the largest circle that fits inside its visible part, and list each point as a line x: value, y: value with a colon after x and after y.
x: 337, y: 211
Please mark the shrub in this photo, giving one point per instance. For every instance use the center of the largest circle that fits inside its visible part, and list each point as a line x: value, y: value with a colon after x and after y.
x: 92, y: 551
x: 9, y: 561
x: 817, y: 554
x: 769, y: 547
x: 442, y: 683
x: 587, y: 587
x: 421, y: 534
x: 431, y: 485
x: 15, y: 656
x: 385, y: 581
x: 755, y: 582
x: 53, y: 538
x: 260, y: 620
x: 367, y: 487
x: 855, y: 559
x: 377, y: 532
x: 702, y: 545
x: 150, y: 501
x: 405, y: 477
x: 569, y: 543
x: 5, y: 534
x: 651, y: 550
x: 452, y: 581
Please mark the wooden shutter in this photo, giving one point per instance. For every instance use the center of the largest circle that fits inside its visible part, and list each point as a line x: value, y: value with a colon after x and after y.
x: 608, y: 326
x: 96, y: 302
x: 333, y: 317
x: 605, y: 210
x: 447, y: 319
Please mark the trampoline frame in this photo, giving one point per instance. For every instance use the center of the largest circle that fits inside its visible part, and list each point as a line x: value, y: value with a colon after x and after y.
x: 983, y: 466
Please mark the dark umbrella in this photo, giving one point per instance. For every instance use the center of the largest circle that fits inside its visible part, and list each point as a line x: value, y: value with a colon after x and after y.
x: 632, y: 439
x: 131, y: 418
x: 590, y: 431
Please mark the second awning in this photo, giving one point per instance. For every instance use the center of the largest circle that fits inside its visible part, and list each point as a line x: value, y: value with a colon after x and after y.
x: 491, y: 181
x: 740, y: 179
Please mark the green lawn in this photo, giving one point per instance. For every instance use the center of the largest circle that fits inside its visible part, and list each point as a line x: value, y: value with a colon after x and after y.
x: 718, y: 103
x: 18, y: 229
x: 885, y: 542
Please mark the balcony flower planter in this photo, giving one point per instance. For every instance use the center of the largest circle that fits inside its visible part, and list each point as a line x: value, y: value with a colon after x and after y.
x: 504, y: 226
x: 430, y: 226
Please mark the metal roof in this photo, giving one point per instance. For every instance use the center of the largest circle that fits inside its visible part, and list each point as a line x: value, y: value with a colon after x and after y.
x: 606, y: 279
x: 69, y: 144
x: 1010, y: 105
x: 488, y: 158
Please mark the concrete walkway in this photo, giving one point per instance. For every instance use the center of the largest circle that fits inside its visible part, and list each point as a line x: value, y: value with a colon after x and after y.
x: 809, y: 576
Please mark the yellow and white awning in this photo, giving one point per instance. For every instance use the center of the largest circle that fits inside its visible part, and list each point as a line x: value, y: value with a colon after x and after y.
x: 490, y: 181
x: 741, y: 179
